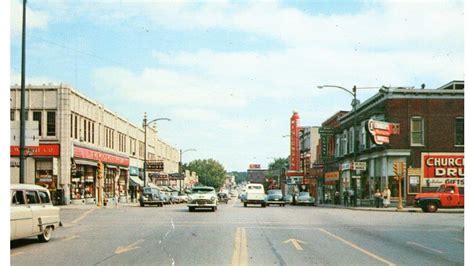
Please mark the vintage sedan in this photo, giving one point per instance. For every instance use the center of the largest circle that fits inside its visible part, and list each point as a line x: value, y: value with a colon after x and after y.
x: 202, y: 197
x: 152, y: 196
x: 304, y: 198
x: 275, y: 196
x: 32, y: 213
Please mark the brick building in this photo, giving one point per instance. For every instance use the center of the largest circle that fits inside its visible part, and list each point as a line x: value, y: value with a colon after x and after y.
x: 431, y: 126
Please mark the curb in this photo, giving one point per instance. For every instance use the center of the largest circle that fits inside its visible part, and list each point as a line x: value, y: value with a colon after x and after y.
x: 390, y: 210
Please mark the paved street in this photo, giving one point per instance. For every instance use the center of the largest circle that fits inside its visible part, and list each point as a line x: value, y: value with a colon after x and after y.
x: 235, y: 235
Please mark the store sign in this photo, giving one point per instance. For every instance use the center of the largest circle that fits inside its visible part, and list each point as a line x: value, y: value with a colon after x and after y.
x: 362, y: 166
x: 443, y: 168
x: 381, y: 131
x: 85, y: 153
x: 154, y: 166
x: 41, y: 150
x: 254, y: 166
x: 331, y: 176
x: 345, y: 166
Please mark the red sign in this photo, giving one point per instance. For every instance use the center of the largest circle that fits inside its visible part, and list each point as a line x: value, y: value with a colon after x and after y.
x: 443, y: 165
x: 254, y: 166
x: 294, y: 142
x: 85, y: 153
x: 41, y: 150
x: 381, y: 131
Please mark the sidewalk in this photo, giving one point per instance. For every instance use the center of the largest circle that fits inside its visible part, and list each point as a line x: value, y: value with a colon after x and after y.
x: 92, y: 206
x: 389, y: 209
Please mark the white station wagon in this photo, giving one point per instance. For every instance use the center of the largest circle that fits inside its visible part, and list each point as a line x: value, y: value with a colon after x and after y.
x: 32, y: 213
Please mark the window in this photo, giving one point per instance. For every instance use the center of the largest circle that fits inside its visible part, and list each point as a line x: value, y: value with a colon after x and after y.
x: 93, y: 135
x: 18, y: 198
x: 362, y: 138
x: 32, y: 197
x: 459, y: 131
x: 51, y: 124
x: 72, y: 126
x: 44, y: 197
x: 414, y: 184
x: 75, y: 127
x: 37, y: 117
x: 12, y: 115
x: 417, y: 127
x: 84, y: 131
x: 89, y: 131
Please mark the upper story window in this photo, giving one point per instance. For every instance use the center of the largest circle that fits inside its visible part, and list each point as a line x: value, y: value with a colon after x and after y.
x: 362, y: 138
x: 37, y: 117
x: 51, y: 124
x: 338, y: 145
x: 12, y: 115
x: 459, y: 131
x: 417, y: 131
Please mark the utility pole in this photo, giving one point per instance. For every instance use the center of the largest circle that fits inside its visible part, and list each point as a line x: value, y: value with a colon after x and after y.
x: 22, y: 102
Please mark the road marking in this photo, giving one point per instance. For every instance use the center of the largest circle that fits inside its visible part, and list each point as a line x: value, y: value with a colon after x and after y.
x: 69, y: 238
x: 16, y: 253
x: 172, y: 224
x: 358, y: 248
x: 82, y: 216
x: 132, y: 246
x: 428, y: 248
x: 459, y: 240
x: 296, y: 243
x: 239, y: 257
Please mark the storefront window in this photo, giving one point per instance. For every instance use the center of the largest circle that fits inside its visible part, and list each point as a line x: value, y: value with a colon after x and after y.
x: 122, y: 183
x: 109, y: 182
x: 89, y: 182
x: 44, y: 174
x: 393, y: 185
x: 414, y: 184
x: 77, y: 184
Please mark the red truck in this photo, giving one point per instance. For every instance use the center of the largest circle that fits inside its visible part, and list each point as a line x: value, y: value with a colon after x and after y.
x: 446, y: 196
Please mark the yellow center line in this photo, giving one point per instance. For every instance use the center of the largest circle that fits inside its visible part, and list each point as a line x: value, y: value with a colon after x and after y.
x: 82, y: 216
x: 240, y: 257
x: 358, y: 248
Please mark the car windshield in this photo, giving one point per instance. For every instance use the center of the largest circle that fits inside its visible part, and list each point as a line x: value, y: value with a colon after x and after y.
x: 147, y: 190
x: 274, y: 192
x: 202, y: 190
x: 304, y: 194
x: 174, y: 193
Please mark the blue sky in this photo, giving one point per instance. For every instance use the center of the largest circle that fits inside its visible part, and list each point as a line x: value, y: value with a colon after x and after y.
x: 229, y: 74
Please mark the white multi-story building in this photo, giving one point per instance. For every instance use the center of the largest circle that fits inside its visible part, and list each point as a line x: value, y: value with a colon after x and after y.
x: 75, y: 134
x: 309, y: 139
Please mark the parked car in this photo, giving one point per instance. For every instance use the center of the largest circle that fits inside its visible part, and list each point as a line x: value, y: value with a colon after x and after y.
x: 32, y: 213
x: 255, y: 194
x: 304, y: 198
x: 175, y: 197
x: 288, y: 199
x: 152, y: 196
x: 275, y: 196
x: 223, y: 197
x: 202, y: 197
x: 446, y: 196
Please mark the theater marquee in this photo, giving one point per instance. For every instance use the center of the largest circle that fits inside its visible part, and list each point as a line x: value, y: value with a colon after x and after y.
x: 442, y: 168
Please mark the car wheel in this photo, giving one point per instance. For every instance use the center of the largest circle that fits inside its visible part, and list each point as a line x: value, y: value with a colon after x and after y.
x: 431, y: 207
x: 161, y: 205
x: 424, y: 209
x: 245, y: 204
x: 142, y: 204
x: 191, y: 209
x: 264, y: 205
x: 46, y: 235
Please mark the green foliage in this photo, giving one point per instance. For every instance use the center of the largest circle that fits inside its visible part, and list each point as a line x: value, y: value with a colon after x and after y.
x: 210, y: 172
x: 275, y: 167
x: 239, y: 176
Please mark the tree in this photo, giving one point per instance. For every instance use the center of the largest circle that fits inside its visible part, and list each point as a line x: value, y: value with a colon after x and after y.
x: 275, y: 167
x: 210, y: 172
x: 239, y: 176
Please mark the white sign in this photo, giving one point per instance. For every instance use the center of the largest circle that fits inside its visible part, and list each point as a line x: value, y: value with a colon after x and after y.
x: 31, y: 133
x: 356, y: 176
x: 359, y: 166
x: 414, y: 180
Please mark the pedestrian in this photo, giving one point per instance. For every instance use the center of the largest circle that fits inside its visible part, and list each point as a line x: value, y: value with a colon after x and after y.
x: 378, y: 198
x: 351, y: 197
x: 337, y: 197
x: 386, y: 197
x: 346, y: 197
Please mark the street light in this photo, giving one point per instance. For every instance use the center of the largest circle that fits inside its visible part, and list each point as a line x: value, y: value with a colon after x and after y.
x: 354, y: 109
x: 145, y: 125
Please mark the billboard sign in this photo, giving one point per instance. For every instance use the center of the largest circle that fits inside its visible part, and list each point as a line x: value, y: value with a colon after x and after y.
x: 442, y: 168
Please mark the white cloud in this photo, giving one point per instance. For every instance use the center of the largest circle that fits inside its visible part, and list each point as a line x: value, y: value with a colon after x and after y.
x: 34, y: 19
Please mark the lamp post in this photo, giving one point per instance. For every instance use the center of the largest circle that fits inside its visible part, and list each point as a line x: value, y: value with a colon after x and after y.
x: 354, y: 109
x: 145, y: 125
x: 181, y: 162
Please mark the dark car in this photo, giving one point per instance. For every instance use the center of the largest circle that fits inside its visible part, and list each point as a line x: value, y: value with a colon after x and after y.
x: 275, y: 196
x: 304, y: 199
x: 152, y: 196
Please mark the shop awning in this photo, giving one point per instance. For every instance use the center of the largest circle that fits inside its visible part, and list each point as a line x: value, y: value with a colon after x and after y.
x: 152, y: 185
x: 136, y: 180
x: 85, y: 162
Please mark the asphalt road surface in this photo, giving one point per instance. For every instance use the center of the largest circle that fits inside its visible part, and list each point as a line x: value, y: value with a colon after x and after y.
x: 234, y: 235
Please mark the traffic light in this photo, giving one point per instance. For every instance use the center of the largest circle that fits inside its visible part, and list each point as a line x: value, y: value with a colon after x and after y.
x: 100, y: 170
x: 396, y: 168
